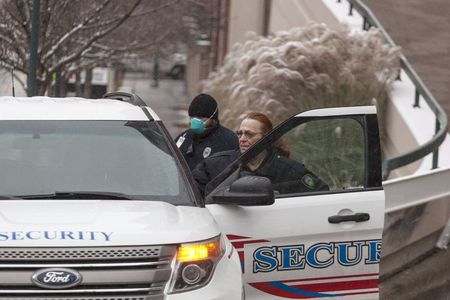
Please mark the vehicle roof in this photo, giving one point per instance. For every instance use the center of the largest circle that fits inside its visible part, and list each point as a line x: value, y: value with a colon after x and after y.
x: 70, y: 108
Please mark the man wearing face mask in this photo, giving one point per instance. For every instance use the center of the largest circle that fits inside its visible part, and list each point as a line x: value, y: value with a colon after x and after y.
x: 205, y: 135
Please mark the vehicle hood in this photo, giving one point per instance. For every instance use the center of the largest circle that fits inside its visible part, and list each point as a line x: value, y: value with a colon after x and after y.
x: 66, y: 223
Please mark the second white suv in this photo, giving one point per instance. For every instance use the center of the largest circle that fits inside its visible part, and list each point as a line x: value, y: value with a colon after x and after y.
x: 96, y: 203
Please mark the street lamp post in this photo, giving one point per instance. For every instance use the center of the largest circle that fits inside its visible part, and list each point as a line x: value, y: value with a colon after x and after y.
x: 33, y: 49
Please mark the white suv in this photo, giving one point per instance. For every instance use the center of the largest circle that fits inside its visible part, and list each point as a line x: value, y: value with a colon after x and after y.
x: 96, y: 202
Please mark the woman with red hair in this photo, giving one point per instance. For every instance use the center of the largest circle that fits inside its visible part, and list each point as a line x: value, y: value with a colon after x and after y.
x: 258, y: 122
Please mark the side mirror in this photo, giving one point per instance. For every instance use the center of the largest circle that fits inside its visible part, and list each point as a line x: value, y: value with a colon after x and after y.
x: 248, y: 190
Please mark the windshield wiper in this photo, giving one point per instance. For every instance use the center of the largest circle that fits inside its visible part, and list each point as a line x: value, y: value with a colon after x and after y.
x: 78, y: 195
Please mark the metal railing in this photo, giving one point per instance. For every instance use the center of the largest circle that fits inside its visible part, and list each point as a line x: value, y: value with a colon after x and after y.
x: 432, y: 146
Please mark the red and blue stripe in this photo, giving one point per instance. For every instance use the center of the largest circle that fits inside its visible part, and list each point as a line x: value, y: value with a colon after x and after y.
x: 327, y: 287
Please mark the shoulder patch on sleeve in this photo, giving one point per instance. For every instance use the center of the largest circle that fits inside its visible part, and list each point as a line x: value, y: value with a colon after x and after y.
x: 309, y: 181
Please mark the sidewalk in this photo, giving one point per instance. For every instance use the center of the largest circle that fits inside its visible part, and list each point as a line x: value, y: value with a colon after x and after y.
x: 428, y: 279
x: 168, y: 100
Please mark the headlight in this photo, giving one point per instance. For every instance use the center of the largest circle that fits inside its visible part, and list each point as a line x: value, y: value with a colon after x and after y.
x: 195, y: 263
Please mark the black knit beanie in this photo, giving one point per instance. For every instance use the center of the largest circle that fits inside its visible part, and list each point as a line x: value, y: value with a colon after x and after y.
x: 204, y: 106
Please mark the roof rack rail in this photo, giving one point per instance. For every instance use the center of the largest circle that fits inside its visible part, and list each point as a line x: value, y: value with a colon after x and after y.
x: 125, y: 97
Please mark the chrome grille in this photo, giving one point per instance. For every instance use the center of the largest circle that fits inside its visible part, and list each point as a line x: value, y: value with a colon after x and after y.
x: 109, y: 273
x: 77, y: 253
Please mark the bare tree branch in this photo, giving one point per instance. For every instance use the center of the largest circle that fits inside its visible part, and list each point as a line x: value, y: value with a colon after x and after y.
x: 77, y: 34
x: 75, y: 30
x: 96, y: 36
x: 154, y: 10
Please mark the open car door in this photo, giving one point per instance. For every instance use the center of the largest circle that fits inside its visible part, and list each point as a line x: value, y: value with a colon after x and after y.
x: 310, y: 242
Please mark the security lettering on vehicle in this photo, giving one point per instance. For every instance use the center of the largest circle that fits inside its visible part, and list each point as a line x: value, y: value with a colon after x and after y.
x: 319, y: 255
x: 55, y: 235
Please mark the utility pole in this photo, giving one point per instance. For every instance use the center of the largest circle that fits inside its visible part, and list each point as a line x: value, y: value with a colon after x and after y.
x: 33, y: 49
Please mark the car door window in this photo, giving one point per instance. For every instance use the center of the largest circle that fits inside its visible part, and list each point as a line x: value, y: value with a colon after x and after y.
x: 333, y: 149
x: 325, y: 155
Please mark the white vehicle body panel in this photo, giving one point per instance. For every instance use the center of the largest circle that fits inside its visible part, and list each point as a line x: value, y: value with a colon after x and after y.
x: 290, y: 250
x: 71, y: 223
x: 98, y: 223
x: 303, y: 222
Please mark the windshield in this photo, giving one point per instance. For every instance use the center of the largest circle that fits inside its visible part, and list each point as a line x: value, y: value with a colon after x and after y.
x: 125, y: 157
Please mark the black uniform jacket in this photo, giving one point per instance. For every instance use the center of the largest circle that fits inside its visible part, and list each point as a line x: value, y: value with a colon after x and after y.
x: 212, y: 166
x: 196, y: 148
x: 287, y: 175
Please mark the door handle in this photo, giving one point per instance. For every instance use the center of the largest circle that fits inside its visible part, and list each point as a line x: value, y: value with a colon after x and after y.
x: 358, y: 217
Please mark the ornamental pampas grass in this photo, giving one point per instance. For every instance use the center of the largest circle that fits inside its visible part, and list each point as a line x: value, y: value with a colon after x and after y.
x: 301, y: 69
